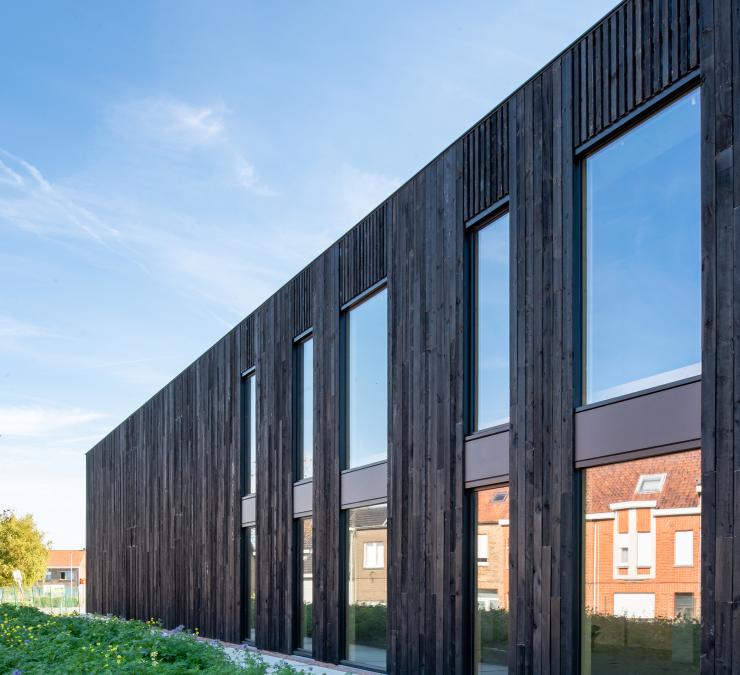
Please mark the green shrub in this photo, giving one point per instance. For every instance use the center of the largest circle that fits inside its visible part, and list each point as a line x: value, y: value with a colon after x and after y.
x: 34, y: 642
x: 366, y: 625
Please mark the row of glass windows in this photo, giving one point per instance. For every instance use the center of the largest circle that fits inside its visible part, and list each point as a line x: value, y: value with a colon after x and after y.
x: 640, y: 568
x: 641, y: 295
x: 641, y: 328
x: 365, y: 400
x: 641, y: 268
x: 365, y: 608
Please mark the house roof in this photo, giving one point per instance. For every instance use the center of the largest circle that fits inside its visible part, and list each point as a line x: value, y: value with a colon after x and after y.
x: 66, y: 558
x: 372, y: 517
x: 612, y: 483
x: 493, y: 505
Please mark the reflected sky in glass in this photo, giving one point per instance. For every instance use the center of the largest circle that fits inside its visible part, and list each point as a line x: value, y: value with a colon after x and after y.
x: 367, y: 381
x: 643, y: 259
x: 252, y: 488
x: 307, y: 408
x: 492, y: 339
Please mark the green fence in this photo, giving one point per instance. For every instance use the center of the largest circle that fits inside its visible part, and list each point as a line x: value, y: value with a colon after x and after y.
x: 61, y: 598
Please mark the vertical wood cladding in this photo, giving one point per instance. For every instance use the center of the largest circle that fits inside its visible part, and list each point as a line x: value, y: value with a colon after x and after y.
x: 362, y: 255
x: 163, y: 488
x: 327, y: 576
x: 637, y: 51
x: 426, y: 529
x: 543, y: 615
x: 163, y: 503
x: 485, y: 163
x: 720, y: 541
x: 275, y: 569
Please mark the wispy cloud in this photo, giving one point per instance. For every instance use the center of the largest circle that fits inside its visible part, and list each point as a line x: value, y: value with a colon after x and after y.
x: 43, y: 421
x: 168, y: 120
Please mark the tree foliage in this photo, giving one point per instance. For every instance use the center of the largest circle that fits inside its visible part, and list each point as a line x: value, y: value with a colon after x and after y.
x: 22, y: 547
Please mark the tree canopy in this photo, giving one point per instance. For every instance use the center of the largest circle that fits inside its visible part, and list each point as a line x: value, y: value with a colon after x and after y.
x: 22, y: 547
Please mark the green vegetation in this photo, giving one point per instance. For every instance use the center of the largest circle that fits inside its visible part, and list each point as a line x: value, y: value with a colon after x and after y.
x: 22, y: 547
x: 493, y: 635
x: 33, y: 642
x: 366, y: 625
x: 645, y: 644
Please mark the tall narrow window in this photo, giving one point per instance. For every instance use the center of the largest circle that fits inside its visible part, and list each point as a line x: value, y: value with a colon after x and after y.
x: 643, y: 258
x: 304, y: 408
x: 366, y: 611
x: 491, y: 316
x: 491, y: 580
x: 305, y: 587
x: 366, y: 394
x: 249, y: 434
x: 639, y: 613
x: 250, y: 552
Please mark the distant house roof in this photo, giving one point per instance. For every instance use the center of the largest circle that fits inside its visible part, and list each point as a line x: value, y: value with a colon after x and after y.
x: 60, y: 558
x: 370, y: 518
x: 613, y: 483
x: 493, y: 505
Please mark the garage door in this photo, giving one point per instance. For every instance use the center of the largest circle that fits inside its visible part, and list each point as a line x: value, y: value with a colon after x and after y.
x: 635, y: 605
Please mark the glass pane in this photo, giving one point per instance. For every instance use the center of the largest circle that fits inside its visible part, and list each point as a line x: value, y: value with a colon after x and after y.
x: 641, y: 613
x: 251, y: 581
x: 307, y: 409
x: 643, y: 257
x: 492, y: 324
x: 252, y: 435
x: 306, y: 587
x: 367, y: 381
x: 492, y: 580
x: 367, y: 586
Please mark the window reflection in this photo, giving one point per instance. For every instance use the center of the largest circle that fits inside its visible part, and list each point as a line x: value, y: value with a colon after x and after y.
x: 306, y: 585
x: 366, y: 329
x: 367, y: 537
x: 251, y: 582
x: 492, y: 580
x: 305, y: 430
x: 643, y: 266
x: 641, y: 566
x: 492, y: 324
x: 252, y: 386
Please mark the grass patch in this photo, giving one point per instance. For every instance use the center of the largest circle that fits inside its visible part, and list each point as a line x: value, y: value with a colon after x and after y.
x: 34, y: 642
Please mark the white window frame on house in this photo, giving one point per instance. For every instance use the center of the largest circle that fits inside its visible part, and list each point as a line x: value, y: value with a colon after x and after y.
x: 640, y: 545
x: 683, y: 552
x: 482, y: 550
x: 376, y: 560
x: 650, y: 478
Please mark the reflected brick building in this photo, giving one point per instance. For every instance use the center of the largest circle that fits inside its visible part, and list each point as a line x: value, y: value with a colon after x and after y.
x: 642, y: 537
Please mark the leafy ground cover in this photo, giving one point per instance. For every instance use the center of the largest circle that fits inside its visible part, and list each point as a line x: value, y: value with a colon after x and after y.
x: 33, y: 642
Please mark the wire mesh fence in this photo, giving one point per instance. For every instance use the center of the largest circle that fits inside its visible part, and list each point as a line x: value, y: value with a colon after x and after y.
x: 57, y: 598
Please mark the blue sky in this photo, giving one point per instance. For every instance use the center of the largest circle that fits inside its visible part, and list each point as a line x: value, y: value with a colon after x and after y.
x: 164, y: 167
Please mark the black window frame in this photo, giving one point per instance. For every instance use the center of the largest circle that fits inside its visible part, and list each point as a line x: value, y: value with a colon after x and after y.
x: 245, y: 396
x: 298, y: 537
x: 344, y: 589
x: 344, y: 328
x: 471, y: 565
x: 298, y: 418
x: 684, y: 87
x: 473, y: 229
x: 247, y: 582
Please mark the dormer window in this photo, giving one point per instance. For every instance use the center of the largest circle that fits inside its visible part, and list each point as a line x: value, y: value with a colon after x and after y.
x: 649, y: 484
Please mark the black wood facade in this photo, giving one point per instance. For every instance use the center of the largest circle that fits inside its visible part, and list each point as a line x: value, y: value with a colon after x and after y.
x: 163, y: 489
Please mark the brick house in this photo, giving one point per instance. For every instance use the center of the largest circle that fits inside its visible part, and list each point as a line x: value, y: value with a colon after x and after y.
x: 66, y: 567
x: 642, y: 537
x: 493, y: 549
x: 368, y: 549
